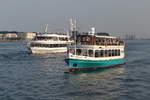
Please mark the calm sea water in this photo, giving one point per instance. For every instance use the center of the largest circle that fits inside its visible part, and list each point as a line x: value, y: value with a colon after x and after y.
x: 41, y: 77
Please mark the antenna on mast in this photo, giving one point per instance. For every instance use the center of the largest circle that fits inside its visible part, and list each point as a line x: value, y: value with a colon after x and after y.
x: 73, y: 31
x: 73, y: 27
x: 46, y: 28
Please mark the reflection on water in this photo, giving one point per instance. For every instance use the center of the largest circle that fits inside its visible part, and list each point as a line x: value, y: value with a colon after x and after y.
x: 95, y: 85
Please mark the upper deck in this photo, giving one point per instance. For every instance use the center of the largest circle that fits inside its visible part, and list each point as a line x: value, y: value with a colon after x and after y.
x: 98, y: 40
x: 52, y: 37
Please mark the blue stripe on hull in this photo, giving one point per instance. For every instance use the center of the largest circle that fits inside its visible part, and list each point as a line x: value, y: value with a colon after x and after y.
x: 87, y: 64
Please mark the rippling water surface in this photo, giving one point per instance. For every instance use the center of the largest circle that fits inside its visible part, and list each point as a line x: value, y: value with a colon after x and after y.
x: 41, y: 77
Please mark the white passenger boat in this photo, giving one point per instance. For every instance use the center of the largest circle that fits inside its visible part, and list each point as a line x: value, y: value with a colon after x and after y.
x: 49, y: 43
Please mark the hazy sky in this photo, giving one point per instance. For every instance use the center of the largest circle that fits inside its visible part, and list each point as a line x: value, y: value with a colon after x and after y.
x: 105, y: 15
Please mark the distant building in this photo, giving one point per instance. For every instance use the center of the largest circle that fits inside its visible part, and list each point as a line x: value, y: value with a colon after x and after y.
x: 10, y: 35
x: 30, y: 35
x: 130, y: 36
x: 25, y: 36
x: 1, y: 36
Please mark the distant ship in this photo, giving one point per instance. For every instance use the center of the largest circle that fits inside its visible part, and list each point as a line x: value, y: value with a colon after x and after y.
x: 93, y: 51
x: 49, y: 43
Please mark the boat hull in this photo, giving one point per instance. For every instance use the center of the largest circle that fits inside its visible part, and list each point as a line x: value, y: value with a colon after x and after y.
x: 75, y: 64
x: 35, y: 50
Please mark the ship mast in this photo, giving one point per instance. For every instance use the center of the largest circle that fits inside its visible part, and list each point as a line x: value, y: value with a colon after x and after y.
x: 73, y: 31
x: 46, y: 28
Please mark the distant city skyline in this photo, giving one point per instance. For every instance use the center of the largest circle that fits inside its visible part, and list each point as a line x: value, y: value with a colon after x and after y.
x: 114, y: 16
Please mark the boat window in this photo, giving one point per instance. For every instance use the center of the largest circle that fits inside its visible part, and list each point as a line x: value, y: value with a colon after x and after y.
x: 101, y: 53
x: 60, y: 45
x: 96, y: 53
x: 113, y: 52
x: 39, y: 45
x: 39, y: 38
x: 64, y: 45
x: 85, y: 39
x: 35, y: 45
x: 84, y: 52
x: 63, y: 38
x: 109, y: 53
x: 52, y: 38
x: 116, y: 52
x: 100, y: 41
x: 79, y: 51
x: 51, y: 45
x: 72, y: 51
x: 106, y: 53
x: 97, y: 41
x: 107, y: 41
x: 54, y: 45
x: 47, y: 45
x: 90, y: 52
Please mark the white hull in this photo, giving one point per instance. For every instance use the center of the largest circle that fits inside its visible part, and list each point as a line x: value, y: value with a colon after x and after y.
x: 38, y: 50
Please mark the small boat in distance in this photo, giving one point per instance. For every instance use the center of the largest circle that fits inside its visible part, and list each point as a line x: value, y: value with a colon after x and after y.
x: 93, y: 51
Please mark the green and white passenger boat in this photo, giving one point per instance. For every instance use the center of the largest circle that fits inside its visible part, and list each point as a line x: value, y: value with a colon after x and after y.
x: 93, y: 51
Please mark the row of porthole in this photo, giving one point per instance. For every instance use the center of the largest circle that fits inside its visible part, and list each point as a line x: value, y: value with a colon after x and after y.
x: 48, y: 45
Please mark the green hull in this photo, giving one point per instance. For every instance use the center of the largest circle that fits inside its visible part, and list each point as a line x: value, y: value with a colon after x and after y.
x: 88, y: 64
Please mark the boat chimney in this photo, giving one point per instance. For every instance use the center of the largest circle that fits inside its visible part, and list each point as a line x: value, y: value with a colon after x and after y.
x: 92, y: 31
